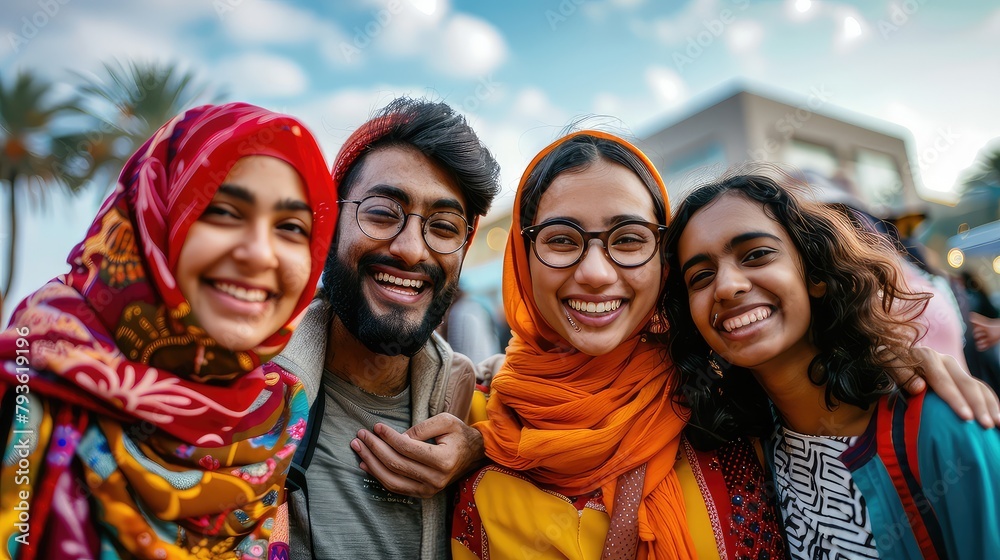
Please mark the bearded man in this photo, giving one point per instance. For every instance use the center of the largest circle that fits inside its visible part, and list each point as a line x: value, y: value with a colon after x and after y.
x: 412, y: 182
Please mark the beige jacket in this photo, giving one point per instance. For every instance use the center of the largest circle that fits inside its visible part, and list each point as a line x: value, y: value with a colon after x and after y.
x: 441, y: 381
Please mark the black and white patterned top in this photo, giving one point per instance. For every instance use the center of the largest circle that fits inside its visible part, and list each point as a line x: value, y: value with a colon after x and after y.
x: 824, y: 512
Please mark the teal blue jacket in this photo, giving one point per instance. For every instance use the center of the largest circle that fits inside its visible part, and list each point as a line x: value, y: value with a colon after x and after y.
x: 931, y: 481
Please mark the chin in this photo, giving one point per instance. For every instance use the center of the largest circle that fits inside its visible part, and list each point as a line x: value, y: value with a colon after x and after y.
x: 597, y: 348
x: 238, y: 338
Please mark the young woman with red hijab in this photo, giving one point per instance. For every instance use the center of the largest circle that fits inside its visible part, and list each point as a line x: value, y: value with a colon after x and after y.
x: 140, y: 420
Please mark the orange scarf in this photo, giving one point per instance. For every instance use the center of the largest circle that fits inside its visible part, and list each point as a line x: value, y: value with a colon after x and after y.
x: 578, y: 422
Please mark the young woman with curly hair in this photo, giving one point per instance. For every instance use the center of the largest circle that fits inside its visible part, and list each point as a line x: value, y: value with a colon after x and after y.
x: 785, y: 321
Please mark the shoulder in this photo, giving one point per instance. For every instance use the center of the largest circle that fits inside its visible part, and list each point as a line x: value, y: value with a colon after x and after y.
x: 942, y: 431
x: 305, y: 353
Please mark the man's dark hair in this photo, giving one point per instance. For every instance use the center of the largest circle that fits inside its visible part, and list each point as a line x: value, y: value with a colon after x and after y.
x: 439, y: 133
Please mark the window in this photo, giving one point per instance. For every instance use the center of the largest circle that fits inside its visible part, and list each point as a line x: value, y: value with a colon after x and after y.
x: 879, y: 183
x: 806, y: 156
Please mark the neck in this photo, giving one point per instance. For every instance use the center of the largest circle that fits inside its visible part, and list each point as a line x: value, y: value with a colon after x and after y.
x: 348, y: 358
x: 802, y: 404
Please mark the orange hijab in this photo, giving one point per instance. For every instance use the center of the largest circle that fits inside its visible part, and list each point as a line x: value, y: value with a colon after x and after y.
x: 577, y: 422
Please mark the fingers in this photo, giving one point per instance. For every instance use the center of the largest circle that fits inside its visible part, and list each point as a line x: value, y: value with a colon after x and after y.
x: 913, y: 384
x: 982, y: 337
x: 405, y: 463
x: 436, y: 426
x: 977, y: 395
x: 993, y: 402
x: 394, y: 470
x: 404, y: 444
x: 985, y: 331
x: 942, y: 374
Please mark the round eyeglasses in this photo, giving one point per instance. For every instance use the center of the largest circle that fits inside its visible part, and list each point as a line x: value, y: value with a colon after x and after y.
x: 561, y: 243
x: 382, y: 218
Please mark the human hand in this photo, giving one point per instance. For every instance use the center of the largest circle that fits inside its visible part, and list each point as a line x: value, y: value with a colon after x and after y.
x: 968, y: 397
x: 406, y: 464
x: 985, y: 331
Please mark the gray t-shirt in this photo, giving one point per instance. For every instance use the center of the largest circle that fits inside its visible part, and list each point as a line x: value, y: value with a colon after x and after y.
x: 352, y: 514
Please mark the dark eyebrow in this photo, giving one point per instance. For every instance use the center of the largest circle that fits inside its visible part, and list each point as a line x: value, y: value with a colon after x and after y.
x: 610, y: 222
x: 741, y: 238
x: 237, y: 192
x: 404, y: 199
x: 245, y: 195
x: 615, y: 220
x: 293, y: 204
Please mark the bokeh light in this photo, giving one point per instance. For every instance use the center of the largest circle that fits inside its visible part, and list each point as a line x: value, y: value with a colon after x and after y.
x: 955, y: 258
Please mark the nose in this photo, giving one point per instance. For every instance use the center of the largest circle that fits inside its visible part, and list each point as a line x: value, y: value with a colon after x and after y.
x: 595, y: 268
x: 730, y: 283
x: 256, y: 249
x: 409, y: 245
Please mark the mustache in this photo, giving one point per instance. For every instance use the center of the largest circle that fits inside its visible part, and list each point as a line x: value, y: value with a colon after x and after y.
x: 436, y: 273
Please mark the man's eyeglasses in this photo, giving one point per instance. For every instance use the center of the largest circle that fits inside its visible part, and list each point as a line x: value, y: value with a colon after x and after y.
x: 381, y: 217
x: 561, y: 243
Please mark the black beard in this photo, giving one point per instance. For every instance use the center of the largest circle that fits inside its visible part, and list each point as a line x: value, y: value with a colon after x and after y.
x: 389, y: 334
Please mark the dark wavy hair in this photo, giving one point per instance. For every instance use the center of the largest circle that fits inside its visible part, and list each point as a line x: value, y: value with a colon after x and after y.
x: 440, y: 133
x: 861, y: 323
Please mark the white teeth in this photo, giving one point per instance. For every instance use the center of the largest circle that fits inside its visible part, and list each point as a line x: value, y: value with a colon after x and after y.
x: 753, y: 316
x: 404, y: 282
x: 240, y: 293
x: 594, y: 307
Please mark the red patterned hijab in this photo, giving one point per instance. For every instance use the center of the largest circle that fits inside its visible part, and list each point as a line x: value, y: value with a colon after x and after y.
x: 140, y: 433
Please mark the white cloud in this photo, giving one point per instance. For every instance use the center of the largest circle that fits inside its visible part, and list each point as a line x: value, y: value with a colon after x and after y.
x: 666, y: 84
x: 597, y: 11
x: 335, y: 116
x: 262, y: 74
x: 744, y: 36
x: 532, y: 104
x: 627, y: 3
x: 268, y: 22
x: 605, y: 103
x: 676, y: 29
x: 453, y: 44
x: 401, y: 28
x: 104, y: 40
x: 468, y: 47
x: 990, y: 28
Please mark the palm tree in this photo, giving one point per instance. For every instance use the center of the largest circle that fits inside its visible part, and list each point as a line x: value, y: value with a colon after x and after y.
x: 28, y: 119
x: 128, y: 104
x: 85, y: 139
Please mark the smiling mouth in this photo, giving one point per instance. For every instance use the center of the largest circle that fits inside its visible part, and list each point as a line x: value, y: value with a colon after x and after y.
x: 752, y: 316
x: 399, y: 285
x: 594, y: 307
x: 252, y: 295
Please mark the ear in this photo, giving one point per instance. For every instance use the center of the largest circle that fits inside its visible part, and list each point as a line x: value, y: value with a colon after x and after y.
x: 817, y: 288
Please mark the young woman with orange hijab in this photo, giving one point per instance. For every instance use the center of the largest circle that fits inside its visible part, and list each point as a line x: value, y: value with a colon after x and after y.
x: 590, y: 461
x: 141, y: 417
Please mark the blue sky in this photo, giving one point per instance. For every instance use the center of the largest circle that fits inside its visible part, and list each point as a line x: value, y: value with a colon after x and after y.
x: 522, y: 70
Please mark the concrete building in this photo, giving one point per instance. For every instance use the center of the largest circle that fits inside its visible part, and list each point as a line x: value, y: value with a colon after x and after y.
x: 809, y: 134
